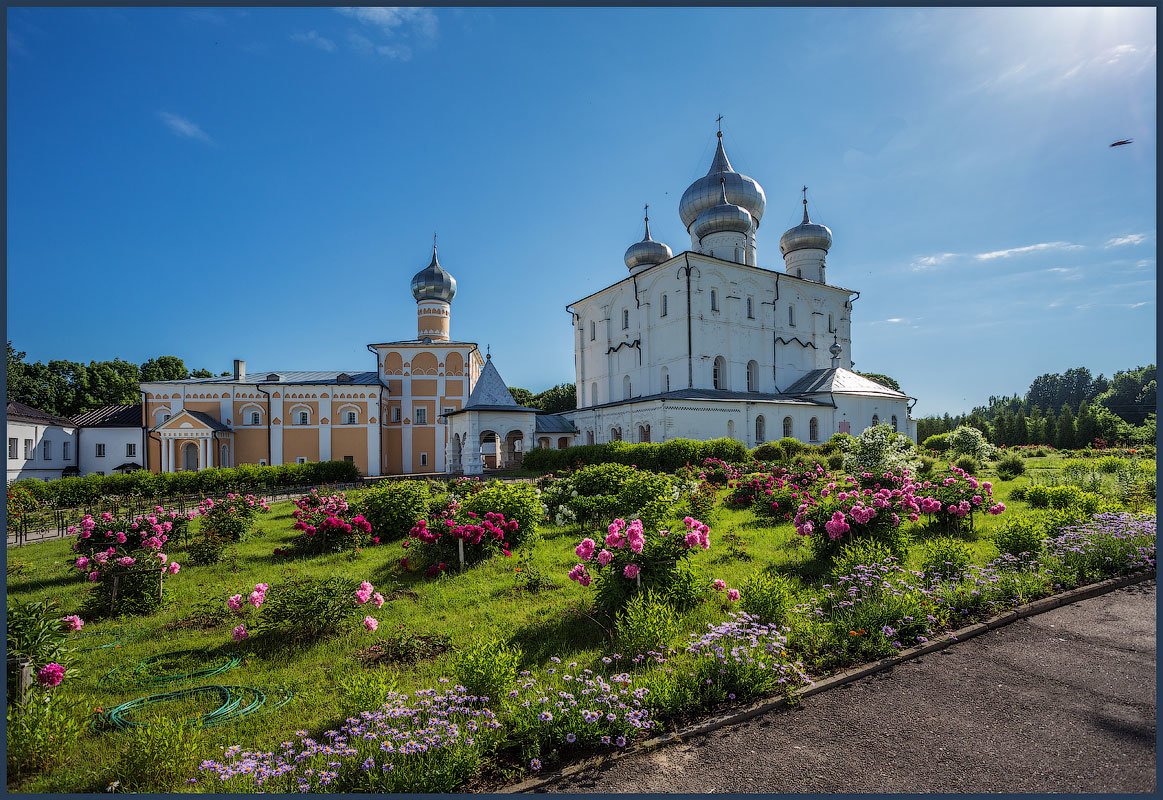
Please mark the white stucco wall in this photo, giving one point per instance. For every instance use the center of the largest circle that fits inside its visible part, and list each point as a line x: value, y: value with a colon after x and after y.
x: 115, y: 441
x: 38, y: 466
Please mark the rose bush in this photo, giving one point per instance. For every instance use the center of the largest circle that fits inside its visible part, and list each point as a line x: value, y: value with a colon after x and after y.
x: 329, y: 524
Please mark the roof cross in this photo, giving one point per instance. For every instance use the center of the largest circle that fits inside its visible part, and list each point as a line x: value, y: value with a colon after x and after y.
x: 719, y: 122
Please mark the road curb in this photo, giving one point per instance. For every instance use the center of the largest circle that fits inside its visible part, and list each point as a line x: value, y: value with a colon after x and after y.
x: 841, y: 678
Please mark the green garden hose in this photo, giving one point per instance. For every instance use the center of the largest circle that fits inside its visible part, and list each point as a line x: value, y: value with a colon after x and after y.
x: 236, y: 702
x: 111, y: 632
x: 140, y: 676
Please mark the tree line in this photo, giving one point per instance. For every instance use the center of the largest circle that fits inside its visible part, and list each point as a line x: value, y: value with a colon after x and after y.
x: 562, y: 397
x: 68, y: 388
x: 1068, y: 410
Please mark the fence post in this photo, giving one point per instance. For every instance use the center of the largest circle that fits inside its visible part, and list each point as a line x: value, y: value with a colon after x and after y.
x: 24, y: 681
x: 113, y: 598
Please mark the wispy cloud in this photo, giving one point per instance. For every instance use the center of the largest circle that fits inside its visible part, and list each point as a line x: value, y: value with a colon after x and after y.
x: 1067, y: 273
x: 315, y: 40
x: 183, y: 127
x: 1031, y: 248
x: 1131, y: 238
x: 928, y: 262
x: 1144, y: 262
x: 401, y: 27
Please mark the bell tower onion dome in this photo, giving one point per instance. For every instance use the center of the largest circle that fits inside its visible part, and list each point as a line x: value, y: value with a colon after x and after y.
x: 433, y: 289
x: 646, y: 252
x: 807, y: 235
x: 740, y: 190
x: 723, y: 217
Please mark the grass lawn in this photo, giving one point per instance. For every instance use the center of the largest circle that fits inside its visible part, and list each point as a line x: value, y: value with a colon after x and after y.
x: 485, y: 601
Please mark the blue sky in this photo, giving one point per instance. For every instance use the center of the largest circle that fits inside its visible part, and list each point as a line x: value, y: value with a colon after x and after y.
x: 263, y: 183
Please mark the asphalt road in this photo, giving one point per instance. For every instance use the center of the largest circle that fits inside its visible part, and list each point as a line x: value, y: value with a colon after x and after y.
x: 1060, y: 702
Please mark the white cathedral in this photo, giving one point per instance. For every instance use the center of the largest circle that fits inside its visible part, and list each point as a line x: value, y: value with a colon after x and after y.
x: 700, y: 345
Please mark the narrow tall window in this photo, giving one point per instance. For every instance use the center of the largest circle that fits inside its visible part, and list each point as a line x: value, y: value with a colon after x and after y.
x: 13, y: 447
x: 875, y: 420
x: 714, y: 300
x: 664, y: 306
x: 894, y: 428
x: 589, y: 437
x: 593, y: 330
x: 254, y: 418
x: 100, y: 450
x: 719, y: 373
x: 787, y: 427
x: 30, y: 449
x: 814, y: 430
x: 625, y: 387
x: 665, y: 379
x: 420, y: 415
x: 593, y: 394
x: 302, y: 417
x: 831, y: 324
x: 130, y: 450
x: 753, y: 376
x: 760, y: 430
x: 46, y: 445
x: 750, y: 308
x: 791, y: 315
x: 396, y: 414
x: 423, y: 459
x: 625, y: 318
x: 65, y: 448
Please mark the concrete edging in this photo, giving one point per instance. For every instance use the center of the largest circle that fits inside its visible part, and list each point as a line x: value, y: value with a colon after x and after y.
x: 843, y: 677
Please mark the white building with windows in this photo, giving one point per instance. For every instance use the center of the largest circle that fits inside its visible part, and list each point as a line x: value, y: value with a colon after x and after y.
x: 708, y: 343
x: 40, y: 445
x: 110, y: 439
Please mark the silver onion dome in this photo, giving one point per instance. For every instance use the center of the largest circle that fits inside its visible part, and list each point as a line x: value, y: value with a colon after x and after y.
x: 647, y: 251
x: 433, y: 283
x: 704, y: 193
x: 806, y: 235
x: 723, y: 216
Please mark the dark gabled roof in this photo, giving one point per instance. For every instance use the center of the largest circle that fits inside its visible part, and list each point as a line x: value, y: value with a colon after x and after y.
x: 110, y: 417
x: 24, y: 413
x: 838, y: 380
x: 718, y: 394
x: 201, y: 416
x: 552, y: 423
x: 131, y: 466
x: 309, y: 377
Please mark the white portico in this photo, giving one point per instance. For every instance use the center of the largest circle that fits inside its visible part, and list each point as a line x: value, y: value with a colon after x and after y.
x: 189, y: 440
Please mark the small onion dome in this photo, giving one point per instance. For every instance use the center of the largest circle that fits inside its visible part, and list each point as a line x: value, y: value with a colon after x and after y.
x: 722, y: 217
x: 806, y: 235
x: 647, y: 251
x: 704, y: 193
x: 835, y: 349
x: 433, y: 283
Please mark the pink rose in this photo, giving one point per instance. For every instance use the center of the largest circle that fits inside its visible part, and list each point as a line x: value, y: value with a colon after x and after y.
x: 50, y: 674
x: 173, y: 568
x: 605, y: 557
x: 73, y: 622
x: 732, y: 595
x: 371, y: 623
x: 235, y: 602
x: 239, y: 633
x: 631, y: 571
x: 378, y: 599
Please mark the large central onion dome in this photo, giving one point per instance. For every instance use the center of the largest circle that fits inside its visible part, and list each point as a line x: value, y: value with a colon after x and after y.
x: 722, y: 217
x: 647, y: 252
x: 807, y: 235
x: 433, y: 283
x: 704, y: 193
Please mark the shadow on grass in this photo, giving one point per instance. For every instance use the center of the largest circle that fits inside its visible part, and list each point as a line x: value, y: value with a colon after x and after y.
x: 32, y: 584
x: 807, y: 570
x: 560, y: 636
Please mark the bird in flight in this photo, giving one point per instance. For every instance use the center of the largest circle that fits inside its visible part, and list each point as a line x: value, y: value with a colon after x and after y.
x: 1122, y: 142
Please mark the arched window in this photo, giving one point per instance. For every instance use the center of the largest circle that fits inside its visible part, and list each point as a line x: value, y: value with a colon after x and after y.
x: 875, y: 420
x: 625, y: 318
x: 254, y: 418
x: 714, y: 299
x: 303, y: 418
x: 665, y: 380
x: 225, y: 456
x: 664, y: 306
x: 615, y: 435
x: 787, y: 430
x: 593, y: 394
x: 753, y: 376
x: 791, y: 315
x: 750, y: 308
x: 814, y: 430
x: 831, y: 324
x: 719, y: 373
x: 593, y: 330
x: 760, y: 430
x: 625, y: 387
x: 736, y: 254
x: 730, y: 429
x: 589, y: 437
x: 894, y: 427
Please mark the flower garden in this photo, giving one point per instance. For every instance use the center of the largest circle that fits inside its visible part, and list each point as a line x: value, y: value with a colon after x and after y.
x: 461, y: 635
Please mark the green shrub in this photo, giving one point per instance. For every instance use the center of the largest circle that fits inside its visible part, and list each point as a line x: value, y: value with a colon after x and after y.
x: 157, y: 755
x: 703, y: 500
x: 790, y: 446
x: 967, y: 463
x: 862, y: 552
x: 517, y: 501
x: 947, y: 557
x: 927, y: 465
x: 394, y: 507
x: 769, y: 596
x: 769, y: 452
x: 308, y: 609
x: 839, y: 443
x: 1010, y: 467
x: 206, y: 548
x: 41, y: 729
x: 647, y: 623
x: 938, y: 443
x: 1109, y: 464
x: 36, y: 632
x: 366, y: 689
x: 488, y: 669
x: 1038, y: 496
x: 1063, y: 496
x: 880, y: 449
x: 666, y: 456
x: 969, y: 441
x: 1019, y: 492
x: 836, y: 461
x: 1021, y: 535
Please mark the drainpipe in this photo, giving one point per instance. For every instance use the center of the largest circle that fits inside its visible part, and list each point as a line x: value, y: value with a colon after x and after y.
x: 380, y: 418
x: 775, y: 335
x: 258, y: 388
x: 144, y: 436
x: 690, y: 366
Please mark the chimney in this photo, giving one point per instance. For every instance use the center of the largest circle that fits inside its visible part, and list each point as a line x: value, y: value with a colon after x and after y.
x: 239, y: 370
